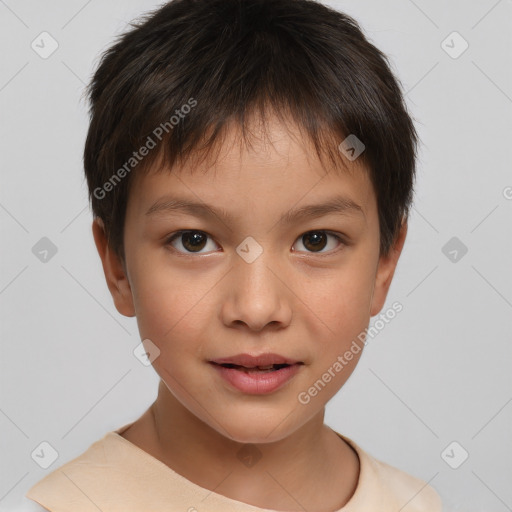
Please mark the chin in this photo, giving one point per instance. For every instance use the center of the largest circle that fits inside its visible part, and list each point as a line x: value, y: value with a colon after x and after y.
x: 257, y: 430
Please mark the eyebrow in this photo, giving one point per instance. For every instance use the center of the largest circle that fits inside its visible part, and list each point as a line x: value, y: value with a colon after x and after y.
x: 339, y: 204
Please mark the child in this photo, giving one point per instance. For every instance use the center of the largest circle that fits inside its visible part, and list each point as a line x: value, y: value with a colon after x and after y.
x: 250, y: 166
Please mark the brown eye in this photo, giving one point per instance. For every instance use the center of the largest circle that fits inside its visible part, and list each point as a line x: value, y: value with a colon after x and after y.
x: 316, y: 241
x: 191, y: 241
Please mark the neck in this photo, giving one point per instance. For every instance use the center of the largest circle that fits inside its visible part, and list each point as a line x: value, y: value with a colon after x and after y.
x: 311, y: 464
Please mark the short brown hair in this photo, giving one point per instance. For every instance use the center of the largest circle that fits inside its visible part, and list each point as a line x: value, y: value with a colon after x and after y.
x: 191, y: 67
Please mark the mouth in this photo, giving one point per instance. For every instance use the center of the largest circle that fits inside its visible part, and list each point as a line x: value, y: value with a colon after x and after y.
x: 262, y: 362
x: 257, y: 374
x: 253, y: 369
x: 257, y: 380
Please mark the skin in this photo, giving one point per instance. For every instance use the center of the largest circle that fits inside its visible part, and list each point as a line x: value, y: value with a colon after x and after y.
x: 303, y: 301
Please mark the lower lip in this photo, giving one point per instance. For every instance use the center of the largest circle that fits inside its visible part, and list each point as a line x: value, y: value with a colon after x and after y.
x: 257, y: 383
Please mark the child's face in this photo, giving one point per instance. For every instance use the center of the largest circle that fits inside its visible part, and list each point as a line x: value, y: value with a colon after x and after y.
x: 306, y: 298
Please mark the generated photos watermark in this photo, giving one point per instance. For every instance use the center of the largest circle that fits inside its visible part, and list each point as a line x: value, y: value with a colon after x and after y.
x: 304, y: 397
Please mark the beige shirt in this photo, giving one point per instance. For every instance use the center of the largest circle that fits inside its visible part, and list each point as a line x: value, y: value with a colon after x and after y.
x: 115, y: 475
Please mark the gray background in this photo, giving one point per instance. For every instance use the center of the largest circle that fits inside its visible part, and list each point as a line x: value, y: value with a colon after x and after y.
x: 438, y: 373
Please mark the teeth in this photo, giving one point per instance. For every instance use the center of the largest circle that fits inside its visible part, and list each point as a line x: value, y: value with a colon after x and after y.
x: 255, y: 368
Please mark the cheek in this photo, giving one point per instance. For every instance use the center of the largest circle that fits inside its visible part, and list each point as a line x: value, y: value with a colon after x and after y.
x: 341, y: 305
x: 172, y: 322
x: 166, y: 305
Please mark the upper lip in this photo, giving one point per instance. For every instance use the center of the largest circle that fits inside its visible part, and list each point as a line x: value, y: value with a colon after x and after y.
x: 250, y: 361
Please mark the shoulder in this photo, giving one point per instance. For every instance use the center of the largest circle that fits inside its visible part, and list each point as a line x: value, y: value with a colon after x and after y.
x: 390, y: 488
x: 27, y: 505
x: 60, y: 486
x: 414, y: 494
x: 111, y: 475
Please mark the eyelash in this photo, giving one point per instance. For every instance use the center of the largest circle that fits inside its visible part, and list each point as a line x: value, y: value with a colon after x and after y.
x: 177, y: 234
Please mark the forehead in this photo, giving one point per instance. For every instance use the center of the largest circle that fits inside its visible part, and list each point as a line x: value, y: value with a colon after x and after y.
x: 276, y: 163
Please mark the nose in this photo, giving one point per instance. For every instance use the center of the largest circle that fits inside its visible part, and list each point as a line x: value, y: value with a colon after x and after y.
x: 256, y: 296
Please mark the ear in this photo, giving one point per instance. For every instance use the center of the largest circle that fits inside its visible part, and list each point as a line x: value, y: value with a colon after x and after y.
x: 386, y: 270
x: 115, y: 274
